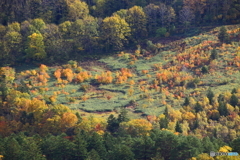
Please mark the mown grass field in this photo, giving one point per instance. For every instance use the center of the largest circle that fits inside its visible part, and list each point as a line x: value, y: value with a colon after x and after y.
x: 152, y: 77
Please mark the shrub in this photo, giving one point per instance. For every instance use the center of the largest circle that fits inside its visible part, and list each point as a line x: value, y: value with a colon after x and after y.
x: 223, y: 35
x: 161, y: 32
x: 214, y: 54
x: 204, y: 69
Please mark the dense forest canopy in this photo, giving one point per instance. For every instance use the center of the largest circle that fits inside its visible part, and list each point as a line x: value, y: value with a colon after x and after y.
x: 53, y: 30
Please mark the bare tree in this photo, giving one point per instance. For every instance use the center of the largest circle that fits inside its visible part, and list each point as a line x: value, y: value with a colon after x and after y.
x: 186, y: 16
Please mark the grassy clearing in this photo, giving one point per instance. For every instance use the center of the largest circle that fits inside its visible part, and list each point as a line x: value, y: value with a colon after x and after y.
x: 149, y: 82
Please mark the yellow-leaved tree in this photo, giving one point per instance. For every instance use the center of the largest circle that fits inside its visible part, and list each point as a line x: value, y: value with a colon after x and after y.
x: 115, y: 31
x: 137, y: 126
x: 35, y: 47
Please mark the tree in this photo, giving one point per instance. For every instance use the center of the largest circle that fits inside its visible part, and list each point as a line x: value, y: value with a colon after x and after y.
x: 208, y: 145
x: 210, y: 96
x: 186, y: 101
x: 165, y: 143
x: 137, y: 126
x: 114, y: 32
x: 77, y: 10
x: 163, y: 123
x: 80, y: 147
x: 234, y: 100
x: 121, y: 152
x: 214, y: 54
x: 205, y: 69
x: 236, y: 145
x: 186, y: 16
x: 223, y: 35
x: 144, y: 148
x: 11, y: 47
x: 222, y: 109
x: 113, y: 124
x: 96, y: 143
x: 188, y: 147
x: 198, y: 107
x: 123, y: 117
x: 12, y: 149
x: 136, y: 19
x: 152, y: 14
x: 167, y: 15
x: 93, y: 155
x: 35, y: 47
x: 57, y: 147
x: 178, y: 127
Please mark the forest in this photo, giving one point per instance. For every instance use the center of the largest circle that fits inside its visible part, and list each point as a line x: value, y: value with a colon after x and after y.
x: 119, y: 80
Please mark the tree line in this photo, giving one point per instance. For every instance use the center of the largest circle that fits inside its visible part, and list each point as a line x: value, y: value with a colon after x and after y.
x: 55, y: 30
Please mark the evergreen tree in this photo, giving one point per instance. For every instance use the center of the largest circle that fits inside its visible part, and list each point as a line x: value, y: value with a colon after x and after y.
x: 198, y: 107
x: 144, y: 148
x: 123, y: 117
x: 234, y: 91
x: 121, y: 152
x: 207, y: 145
x: 235, y: 144
x: 80, y: 147
x: 195, y: 124
x: 222, y: 109
x: 93, y: 155
x: 204, y: 69
x: 178, y: 127
x: 234, y: 100
x: 223, y: 35
x: 12, y: 149
x: 214, y: 54
x: 163, y: 123
x: 188, y: 147
x: 165, y: 142
x: 166, y: 112
x: 57, y: 147
x: 109, y: 141
x: 210, y: 96
x: 113, y: 124
x: 186, y: 101
x: 96, y: 143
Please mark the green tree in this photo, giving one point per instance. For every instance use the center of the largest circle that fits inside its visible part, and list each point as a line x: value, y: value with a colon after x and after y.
x: 178, y: 127
x: 121, y: 152
x: 165, y: 143
x: 234, y: 100
x: 198, y: 107
x: 208, y: 145
x: 210, y: 96
x: 114, y: 32
x: 223, y: 35
x: 123, y: 116
x: 186, y: 101
x: 57, y: 147
x: 80, y: 147
x: 35, y: 47
x: 12, y: 149
x: 214, y: 54
x: 93, y: 155
x: 113, y: 124
x: 12, y: 47
x: 235, y: 144
x: 188, y: 147
x: 222, y: 109
x: 144, y: 148
x: 96, y: 143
